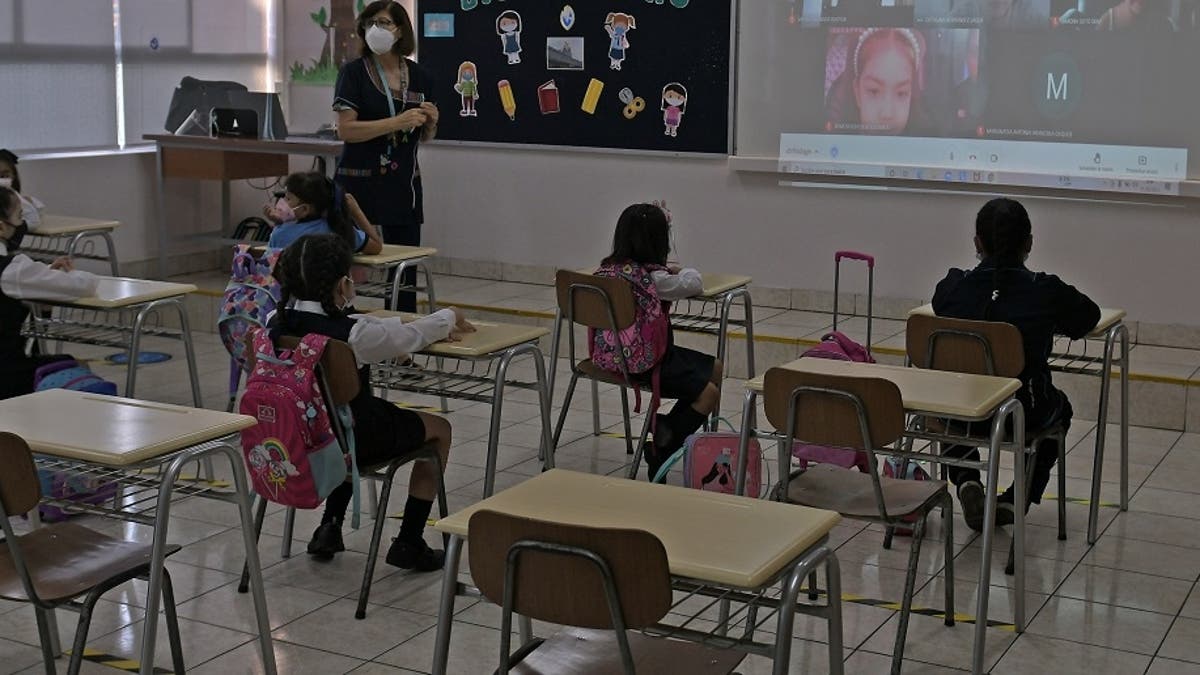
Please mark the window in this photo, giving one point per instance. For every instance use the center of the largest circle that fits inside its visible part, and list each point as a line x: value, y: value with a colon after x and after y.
x: 93, y: 74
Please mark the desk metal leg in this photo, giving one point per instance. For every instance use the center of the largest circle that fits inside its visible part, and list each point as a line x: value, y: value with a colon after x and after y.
x: 833, y: 583
x: 112, y: 249
x: 1102, y: 432
x: 1124, y: 418
x: 445, y: 623
x: 547, y: 452
x: 744, y: 442
x: 489, y: 479
x: 989, y: 528
x: 1020, y: 488
x: 250, y: 541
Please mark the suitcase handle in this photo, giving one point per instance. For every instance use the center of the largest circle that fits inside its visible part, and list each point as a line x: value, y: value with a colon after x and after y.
x: 854, y: 255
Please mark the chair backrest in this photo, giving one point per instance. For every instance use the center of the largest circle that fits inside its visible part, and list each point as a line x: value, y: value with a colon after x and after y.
x: 339, y: 369
x: 588, y: 299
x: 965, y: 346
x: 824, y: 415
x: 555, y: 583
x: 20, y: 489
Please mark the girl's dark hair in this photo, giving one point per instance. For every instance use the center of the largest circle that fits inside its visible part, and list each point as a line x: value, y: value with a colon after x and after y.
x: 310, y: 269
x: 325, y: 197
x: 508, y: 14
x: 10, y: 157
x: 643, y: 236
x: 406, y: 41
x: 1003, y: 228
x: 678, y: 89
x: 9, y: 199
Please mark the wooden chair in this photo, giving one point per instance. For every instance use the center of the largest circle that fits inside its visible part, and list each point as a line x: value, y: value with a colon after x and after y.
x: 600, y: 303
x: 337, y: 374
x: 984, y: 348
x: 864, y: 414
x: 53, y: 566
x: 604, y: 583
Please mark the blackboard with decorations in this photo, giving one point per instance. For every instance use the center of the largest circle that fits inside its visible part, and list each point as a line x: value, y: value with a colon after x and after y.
x: 650, y: 75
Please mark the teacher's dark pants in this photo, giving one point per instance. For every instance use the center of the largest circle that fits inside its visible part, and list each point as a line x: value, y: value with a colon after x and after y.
x: 384, y: 200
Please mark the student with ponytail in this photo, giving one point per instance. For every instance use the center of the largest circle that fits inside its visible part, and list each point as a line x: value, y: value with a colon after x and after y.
x: 1001, y: 288
x: 318, y: 296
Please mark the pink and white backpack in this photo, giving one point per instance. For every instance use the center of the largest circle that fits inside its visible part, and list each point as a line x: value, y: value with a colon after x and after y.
x: 292, y: 454
x: 838, y: 347
x: 644, y: 342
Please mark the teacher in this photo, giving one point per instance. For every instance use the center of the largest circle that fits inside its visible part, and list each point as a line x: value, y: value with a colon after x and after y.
x: 385, y: 108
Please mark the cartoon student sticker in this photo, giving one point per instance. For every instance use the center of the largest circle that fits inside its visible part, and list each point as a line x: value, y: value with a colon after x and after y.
x: 508, y: 27
x: 618, y: 25
x: 468, y: 88
x: 674, y: 105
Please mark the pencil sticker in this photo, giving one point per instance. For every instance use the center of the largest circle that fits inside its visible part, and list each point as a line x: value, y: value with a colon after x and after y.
x: 633, y: 104
x: 592, y: 97
x: 674, y: 105
x: 468, y: 88
x: 506, y: 99
x: 508, y: 27
x: 618, y: 25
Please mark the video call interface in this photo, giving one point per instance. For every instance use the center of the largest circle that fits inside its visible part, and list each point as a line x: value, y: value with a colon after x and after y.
x: 1102, y: 73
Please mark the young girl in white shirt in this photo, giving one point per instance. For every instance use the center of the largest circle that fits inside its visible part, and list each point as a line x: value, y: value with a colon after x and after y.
x: 318, y: 297
x: 23, y: 279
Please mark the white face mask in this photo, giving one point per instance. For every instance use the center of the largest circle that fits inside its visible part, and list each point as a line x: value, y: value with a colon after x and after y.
x: 6, y: 182
x: 380, y: 40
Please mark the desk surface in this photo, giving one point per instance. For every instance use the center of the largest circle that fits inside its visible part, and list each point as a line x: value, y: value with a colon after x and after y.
x: 119, y: 292
x: 488, y: 337
x: 61, y: 226
x: 291, y: 146
x: 713, y: 284
x: 933, y: 392
x: 722, y: 539
x: 1108, y: 318
x: 393, y: 254
x: 110, y: 430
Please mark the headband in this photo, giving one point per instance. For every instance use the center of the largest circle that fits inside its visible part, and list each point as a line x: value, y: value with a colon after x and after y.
x: 908, y: 35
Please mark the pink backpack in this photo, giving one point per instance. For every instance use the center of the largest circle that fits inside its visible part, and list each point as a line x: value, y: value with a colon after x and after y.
x: 644, y: 342
x: 710, y: 463
x: 838, y: 347
x: 292, y: 454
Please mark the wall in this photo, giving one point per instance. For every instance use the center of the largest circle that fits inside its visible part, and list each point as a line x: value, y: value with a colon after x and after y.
x: 558, y: 208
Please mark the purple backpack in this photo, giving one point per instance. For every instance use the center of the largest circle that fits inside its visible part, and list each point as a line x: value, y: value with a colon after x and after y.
x: 838, y: 347
x: 644, y: 342
x: 250, y: 297
x: 71, y: 374
x: 292, y: 454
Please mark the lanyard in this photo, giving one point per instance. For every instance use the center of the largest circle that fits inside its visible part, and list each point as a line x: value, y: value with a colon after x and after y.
x: 387, y: 93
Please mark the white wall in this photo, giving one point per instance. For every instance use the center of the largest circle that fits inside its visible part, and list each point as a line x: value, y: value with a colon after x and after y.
x: 559, y: 208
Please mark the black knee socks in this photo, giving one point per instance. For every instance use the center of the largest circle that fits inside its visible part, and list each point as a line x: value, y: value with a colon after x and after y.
x: 416, y: 514
x: 336, y: 504
x: 673, y: 428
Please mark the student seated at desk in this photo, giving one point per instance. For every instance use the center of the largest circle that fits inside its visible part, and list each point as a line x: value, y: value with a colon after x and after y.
x: 10, y: 177
x: 641, y: 244
x: 314, y: 273
x: 23, y: 279
x: 1001, y: 288
x: 313, y: 204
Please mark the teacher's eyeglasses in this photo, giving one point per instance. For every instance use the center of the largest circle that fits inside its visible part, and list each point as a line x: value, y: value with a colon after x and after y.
x: 386, y: 24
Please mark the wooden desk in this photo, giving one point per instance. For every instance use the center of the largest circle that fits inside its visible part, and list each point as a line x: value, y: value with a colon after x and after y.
x: 762, y: 542
x: 939, y: 394
x: 225, y: 160
x: 62, y: 235
x: 393, y: 254
x: 114, y: 438
x: 478, y: 371
x: 1112, y: 329
x: 104, y: 320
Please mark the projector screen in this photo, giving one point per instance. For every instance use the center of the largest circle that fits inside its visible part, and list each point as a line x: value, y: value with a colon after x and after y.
x: 1079, y: 94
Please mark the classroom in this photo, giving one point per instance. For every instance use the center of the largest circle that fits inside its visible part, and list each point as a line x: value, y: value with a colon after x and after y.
x: 634, y: 336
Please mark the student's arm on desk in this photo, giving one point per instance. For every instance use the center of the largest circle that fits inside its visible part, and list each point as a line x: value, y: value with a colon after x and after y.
x: 376, y: 339
x: 1076, y: 313
x: 27, y: 279
x: 373, y: 245
x: 686, y: 284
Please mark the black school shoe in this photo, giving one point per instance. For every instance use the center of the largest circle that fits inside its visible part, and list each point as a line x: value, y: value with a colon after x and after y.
x: 416, y: 556
x: 326, y: 541
x: 972, y: 499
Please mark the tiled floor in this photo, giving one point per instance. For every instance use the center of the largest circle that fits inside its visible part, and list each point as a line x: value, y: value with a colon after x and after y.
x: 1130, y: 604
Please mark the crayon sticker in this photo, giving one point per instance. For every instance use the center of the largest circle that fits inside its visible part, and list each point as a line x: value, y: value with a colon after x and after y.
x: 592, y: 98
